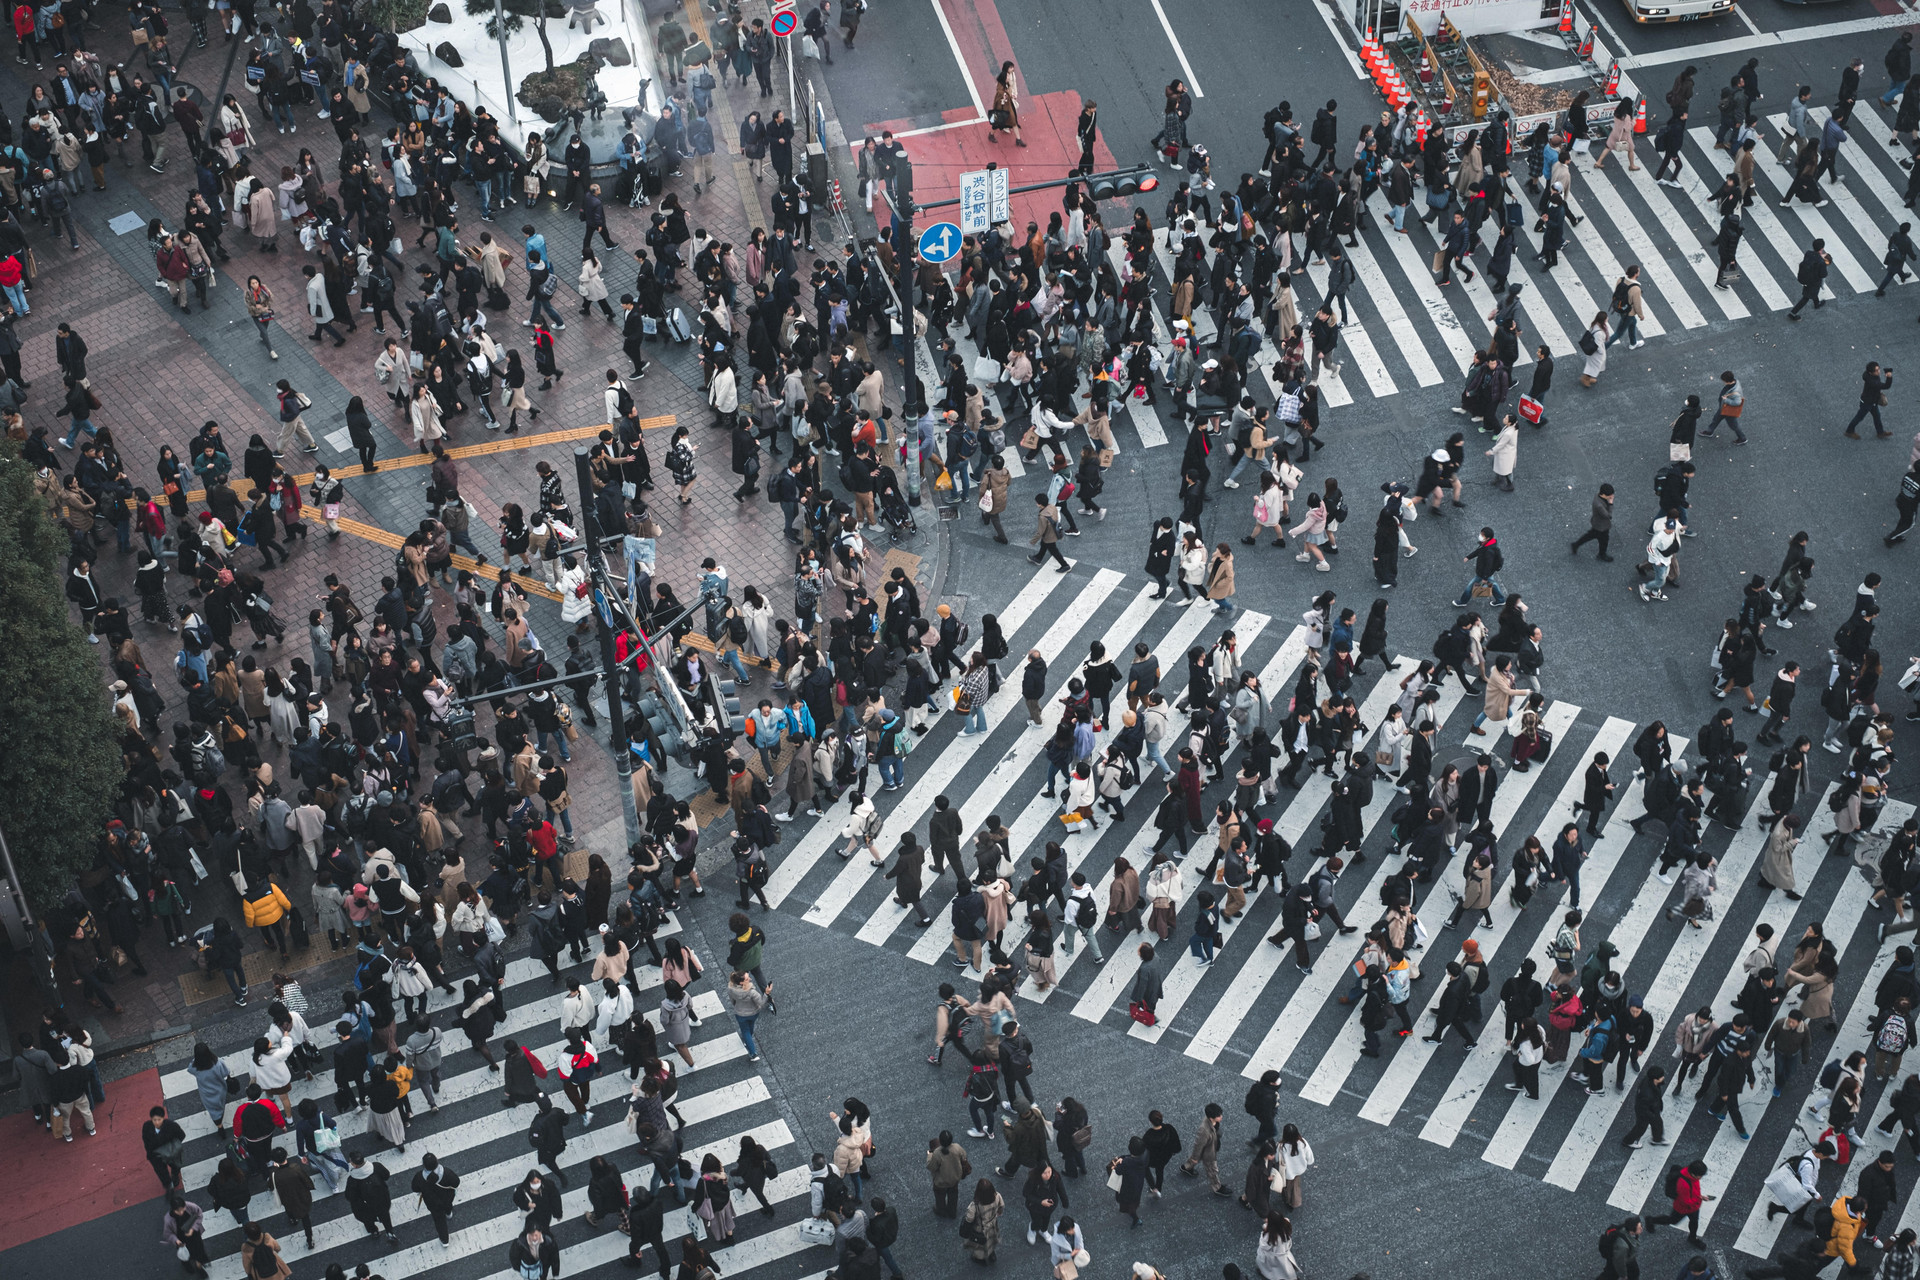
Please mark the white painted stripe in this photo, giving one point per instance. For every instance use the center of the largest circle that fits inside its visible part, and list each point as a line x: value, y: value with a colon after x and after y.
x: 1897, y: 157
x: 1204, y: 330
x: 1413, y: 1054
x: 1311, y: 996
x: 1758, y: 215
x: 1249, y: 982
x: 912, y: 810
x: 1473, y: 1076
x: 1861, y: 171
x: 1757, y: 1235
x: 1641, y: 1176
x: 1565, y: 278
x: 1354, y: 335
x: 480, y: 1082
x: 1772, y: 185
x: 1841, y: 922
x: 606, y: 1139
x: 1682, y: 958
x: 825, y: 832
x: 1452, y: 333
x: 179, y: 1083
x: 1704, y: 264
x: 946, y: 28
x: 1178, y: 52
x: 1682, y: 961
x: 1532, y: 301
x: 1135, y: 851
x: 528, y: 1015
x: 1653, y: 262
x: 1378, y: 290
x: 1596, y: 248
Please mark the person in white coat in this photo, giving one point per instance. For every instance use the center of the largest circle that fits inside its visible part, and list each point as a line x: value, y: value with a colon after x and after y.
x: 319, y: 308
x: 593, y: 288
x: 1291, y: 1162
x: 576, y: 1009
x: 1273, y: 1257
x: 576, y: 598
x: 614, y: 1013
x: 723, y: 393
x: 1506, y: 449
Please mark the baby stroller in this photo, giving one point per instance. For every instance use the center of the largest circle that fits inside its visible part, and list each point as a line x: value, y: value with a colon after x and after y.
x: 895, y: 514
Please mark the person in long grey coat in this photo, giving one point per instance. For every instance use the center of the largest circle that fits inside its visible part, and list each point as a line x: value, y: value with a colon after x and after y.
x: 210, y: 1075
x: 35, y: 1069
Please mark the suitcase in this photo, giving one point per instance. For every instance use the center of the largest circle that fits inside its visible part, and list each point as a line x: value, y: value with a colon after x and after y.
x: 297, y: 928
x: 650, y: 179
x: 677, y: 326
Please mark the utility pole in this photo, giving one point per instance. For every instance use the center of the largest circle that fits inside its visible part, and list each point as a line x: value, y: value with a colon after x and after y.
x: 506, y: 69
x: 37, y: 929
x: 602, y: 594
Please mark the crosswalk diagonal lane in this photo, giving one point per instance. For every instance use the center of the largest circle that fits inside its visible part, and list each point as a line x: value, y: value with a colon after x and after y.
x: 1602, y: 194
x: 1663, y: 995
x: 988, y: 795
x: 1596, y: 1114
x: 1757, y: 1234
x: 1759, y: 217
x: 479, y: 1081
x: 1687, y: 241
x: 1639, y: 1177
x: 1772, y: 183
x: 1231, y: 1009
x: 794, y: 867
x: 1445, y: 320
x: 945, y: 767
x: 1410, y: 1059
x: 1600, y: 253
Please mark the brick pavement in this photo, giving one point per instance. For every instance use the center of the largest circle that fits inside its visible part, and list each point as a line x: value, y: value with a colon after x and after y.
x: 160, y: 374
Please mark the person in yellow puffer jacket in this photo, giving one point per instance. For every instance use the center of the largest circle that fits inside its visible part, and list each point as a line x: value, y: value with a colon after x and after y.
x: 1847, y: 1224
x: 263, y: 907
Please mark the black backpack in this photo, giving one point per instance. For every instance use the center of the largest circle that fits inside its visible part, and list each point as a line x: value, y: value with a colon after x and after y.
x: 439, y: 317
x: 1087, y: 914
x: 1620, y: 295
x: 1607, y: 1237
x: 1671, y: 1187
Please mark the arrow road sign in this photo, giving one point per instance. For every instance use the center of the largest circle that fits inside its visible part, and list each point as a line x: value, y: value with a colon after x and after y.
x: 939, y: 242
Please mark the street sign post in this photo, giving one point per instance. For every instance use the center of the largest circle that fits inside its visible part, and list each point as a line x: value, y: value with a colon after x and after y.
x: 939, y: 242
x: 983, y: 200
x: 784, y: 22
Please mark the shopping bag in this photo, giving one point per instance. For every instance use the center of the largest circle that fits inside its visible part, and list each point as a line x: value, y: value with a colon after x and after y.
x: 1530, y: 410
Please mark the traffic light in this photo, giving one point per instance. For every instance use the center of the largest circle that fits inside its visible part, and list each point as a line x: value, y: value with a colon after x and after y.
x: 1122, y: 183
x: 660, y: 725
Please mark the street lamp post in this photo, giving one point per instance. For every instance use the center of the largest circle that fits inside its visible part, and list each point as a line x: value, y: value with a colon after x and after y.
x: 506, y: 68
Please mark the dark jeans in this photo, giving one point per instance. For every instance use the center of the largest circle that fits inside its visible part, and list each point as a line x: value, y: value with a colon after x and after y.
x: 1732, y: 423
x: 1866, y: 407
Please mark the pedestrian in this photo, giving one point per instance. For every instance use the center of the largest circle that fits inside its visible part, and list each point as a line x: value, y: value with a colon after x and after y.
x: 1874, y: 384
x: 948, y: 1167
x: 1683, y: 1189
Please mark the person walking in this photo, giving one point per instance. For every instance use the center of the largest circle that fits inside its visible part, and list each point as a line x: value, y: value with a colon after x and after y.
x: 1599, y: 524
x: 1812, y: 275
x: 1874, y: 385
x: 1732, y: 403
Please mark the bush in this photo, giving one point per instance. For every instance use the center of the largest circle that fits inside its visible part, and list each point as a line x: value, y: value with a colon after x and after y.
x: 551, y: 93
x: 61, y: 769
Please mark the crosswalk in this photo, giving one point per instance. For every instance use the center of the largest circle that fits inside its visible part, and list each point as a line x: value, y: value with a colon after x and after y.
x: 1249, y: 1010
x: 721, y: 1099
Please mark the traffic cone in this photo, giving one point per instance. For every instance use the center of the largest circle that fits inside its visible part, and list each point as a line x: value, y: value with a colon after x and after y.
x: 1566, y: 17
x: 1613, y: 79
x: 1585, y: 52
x: 1640, y: 117
x: 1426, y: 66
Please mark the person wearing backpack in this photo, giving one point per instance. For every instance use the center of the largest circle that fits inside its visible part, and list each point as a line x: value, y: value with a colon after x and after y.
x: 1649, y: 1101
x: 1626, y: 305
x: 1263, y: 1104
x: 1682, y: 1187
x: 1620, y: 1249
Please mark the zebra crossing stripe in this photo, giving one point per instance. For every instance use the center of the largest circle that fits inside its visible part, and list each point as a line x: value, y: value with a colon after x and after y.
x: 1757, y: 1235
x: 911, y: 811
x: 1532, y: 302
x: 1897, y: 157
x: 1378, y: 290
x: 978, y: 807
x: 1863, y: 171
x: 1758, y: 215
x: 1842, y: 919
x: 1705, y: 267
x: 825, y: 831
x: 1663, y: 997
x: 447, y: 1144
x: 1523, y: 1118
x: 1403, y: 1071
x: 1774, y: 184
x: 1652, y: 263
x: 1250, y: 982
x: 1439, y: 311
x: 1638, y: 1179
x: 479, y: 1082
x: 1596, y: 248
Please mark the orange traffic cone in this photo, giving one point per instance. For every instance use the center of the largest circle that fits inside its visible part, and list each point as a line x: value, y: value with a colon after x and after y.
x: 1566, y: 17
x: 1426, y: 66
x: 1613, y: 78
x: 1640, y: 117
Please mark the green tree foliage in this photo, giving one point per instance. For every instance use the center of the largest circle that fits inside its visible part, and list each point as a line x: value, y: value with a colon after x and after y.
x: 60, y: 766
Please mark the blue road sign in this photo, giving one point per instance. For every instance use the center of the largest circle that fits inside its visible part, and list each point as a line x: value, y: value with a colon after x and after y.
x: 940, y: 242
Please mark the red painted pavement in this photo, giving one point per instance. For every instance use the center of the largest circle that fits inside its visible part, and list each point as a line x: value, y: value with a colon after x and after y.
x: 1047, y: 124
x: 53, y: 1185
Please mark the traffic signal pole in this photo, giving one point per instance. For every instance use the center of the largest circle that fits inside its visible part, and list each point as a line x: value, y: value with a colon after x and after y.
x: 603, y: 593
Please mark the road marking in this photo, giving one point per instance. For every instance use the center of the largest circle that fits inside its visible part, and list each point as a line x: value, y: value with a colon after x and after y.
x: 953, y: 43
x: 1178, y: 52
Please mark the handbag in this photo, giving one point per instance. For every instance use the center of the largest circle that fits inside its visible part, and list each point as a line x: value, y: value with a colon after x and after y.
x: 820, y: 1231
x: 1114, y: 1181
x: 1312, y: 931
x: 1141, y: 1014
x: 1530, y: 410
x: 696, y: 1225
x: 1083, y: 1137
x: 986, y: 501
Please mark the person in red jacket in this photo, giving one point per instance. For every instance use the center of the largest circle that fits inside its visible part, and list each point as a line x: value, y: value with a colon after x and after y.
x: 25, y: 44
x: 1687, y: 1199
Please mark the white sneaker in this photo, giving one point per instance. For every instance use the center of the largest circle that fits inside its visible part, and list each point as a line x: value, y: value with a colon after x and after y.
x: 1639, y: 343
x: 586, y: 1119
x: 1230, y: 484
x: 1782, y: 622
x: 1808, y: 606
x: 1323, y: 567
x: 1663, y: 878
x: 783, y: 817
x: 1303, y: 557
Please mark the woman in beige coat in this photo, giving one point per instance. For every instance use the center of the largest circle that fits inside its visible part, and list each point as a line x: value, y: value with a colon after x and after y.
x: 1776, y: 864
x: 1499, y: 694
x: 593, y: 287
x: 236, y: 131
x: 1220, y: 578
x: 263, y: 216
x: 425, y: 415
x: 1818, y: 977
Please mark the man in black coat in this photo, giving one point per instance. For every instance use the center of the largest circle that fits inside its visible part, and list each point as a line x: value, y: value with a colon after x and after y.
x: 644, y: 1218
x: 368, y: 1196
x: 1477, y: 787
x: 434, y: 1184
x: 535, y: 1246
x: 1033, y: 686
